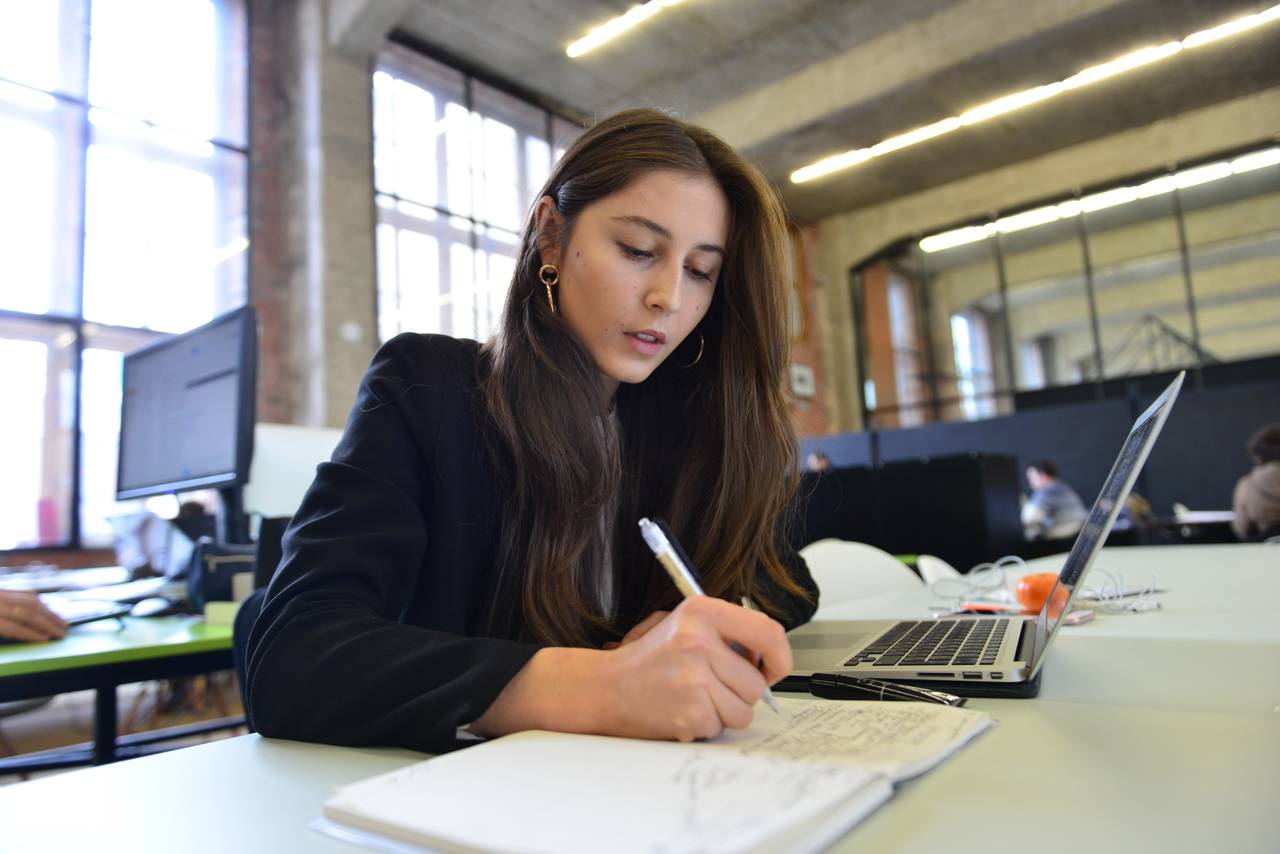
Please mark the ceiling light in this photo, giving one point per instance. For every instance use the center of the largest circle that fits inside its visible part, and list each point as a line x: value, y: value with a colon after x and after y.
x: 1009, y: 103
x: 957, y: 237
x: 1156, y: 186
x: 1106, y: 199
x: 1203, y: 174
x: 830, y: 164
x: 1256, y: 160
x: 1230, y: 28
x: 911, y: 137
x: 1128, y: 62
x: 1027, y: 219
x: 615, y: 27
x: 1018, y: 100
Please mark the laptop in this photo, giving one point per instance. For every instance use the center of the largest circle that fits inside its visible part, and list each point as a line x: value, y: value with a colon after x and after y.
x: 978, y: 656
x: 77, y: 612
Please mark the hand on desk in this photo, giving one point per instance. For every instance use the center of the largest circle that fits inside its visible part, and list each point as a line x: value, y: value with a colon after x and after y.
x: 24, y: 617
x: 674, y: 676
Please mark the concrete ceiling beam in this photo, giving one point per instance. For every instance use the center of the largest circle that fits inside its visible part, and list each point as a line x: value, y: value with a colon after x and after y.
x: 357, y: 28
x: 885, y: 64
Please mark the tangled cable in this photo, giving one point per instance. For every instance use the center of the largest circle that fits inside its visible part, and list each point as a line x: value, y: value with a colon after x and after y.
x: 988, y: 581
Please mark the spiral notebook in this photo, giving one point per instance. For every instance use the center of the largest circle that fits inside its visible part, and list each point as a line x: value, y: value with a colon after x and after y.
x: 795, y: 781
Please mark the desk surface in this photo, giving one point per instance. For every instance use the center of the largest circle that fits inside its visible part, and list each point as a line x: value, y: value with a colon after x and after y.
x: 113, y: 642
x: 1130, y: 780
x: 1107, y: 759
x: 1221, y: 593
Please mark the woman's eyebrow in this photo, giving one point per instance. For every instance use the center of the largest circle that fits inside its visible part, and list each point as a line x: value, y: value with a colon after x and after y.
x: 644, y: 222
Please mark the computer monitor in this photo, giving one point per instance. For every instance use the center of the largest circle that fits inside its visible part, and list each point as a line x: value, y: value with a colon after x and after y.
x: 187, y: 415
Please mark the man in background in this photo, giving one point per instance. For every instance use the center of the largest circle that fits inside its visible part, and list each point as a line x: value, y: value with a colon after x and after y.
x: 1257, y: 497
x: 1054, y: 509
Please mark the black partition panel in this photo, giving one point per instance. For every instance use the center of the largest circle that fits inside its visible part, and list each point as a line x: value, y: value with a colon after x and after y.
x: 920, y: 496
x: 963, y: 509
x: 1082, y: 439
x: 838, y: 503
x: 1201, y: 452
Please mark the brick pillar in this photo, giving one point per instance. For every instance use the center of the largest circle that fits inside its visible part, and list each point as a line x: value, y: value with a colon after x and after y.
x: 311, y: 211
x: 879, y: 342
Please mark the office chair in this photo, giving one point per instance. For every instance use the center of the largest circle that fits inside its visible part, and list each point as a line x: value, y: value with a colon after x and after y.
x: 845, y: 571
x: 935, y: 568
x: 268, y: 553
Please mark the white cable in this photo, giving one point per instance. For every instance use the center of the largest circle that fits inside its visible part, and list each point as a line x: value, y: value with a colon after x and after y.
x: 985, y: 579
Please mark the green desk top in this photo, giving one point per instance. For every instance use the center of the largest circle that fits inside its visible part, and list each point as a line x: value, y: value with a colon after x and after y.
x: 107, y: 642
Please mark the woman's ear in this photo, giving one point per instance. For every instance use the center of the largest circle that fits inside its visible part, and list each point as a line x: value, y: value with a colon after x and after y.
x: 547, y: 222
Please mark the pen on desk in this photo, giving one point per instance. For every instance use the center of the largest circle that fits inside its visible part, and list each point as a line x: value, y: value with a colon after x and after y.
x: 671, y: 556
x: 840, y: 686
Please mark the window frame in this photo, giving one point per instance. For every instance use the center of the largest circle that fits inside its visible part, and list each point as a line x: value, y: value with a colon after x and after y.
x: 1005, y: 390
x: 446, y: 226
x: 83, y: 329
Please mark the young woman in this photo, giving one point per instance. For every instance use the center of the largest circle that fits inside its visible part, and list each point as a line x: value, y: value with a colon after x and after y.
x: 470, y: 558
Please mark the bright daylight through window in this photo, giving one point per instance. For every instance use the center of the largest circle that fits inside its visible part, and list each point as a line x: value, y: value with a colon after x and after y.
x: 123, y: 157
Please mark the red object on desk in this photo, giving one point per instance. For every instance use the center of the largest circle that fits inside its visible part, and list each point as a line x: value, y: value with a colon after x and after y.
x: 1034, y: 589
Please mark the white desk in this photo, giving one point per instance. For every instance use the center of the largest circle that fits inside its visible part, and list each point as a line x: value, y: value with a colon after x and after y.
x: 1221, y: 593
x: 1107, y: 759
x: 1218, y: 620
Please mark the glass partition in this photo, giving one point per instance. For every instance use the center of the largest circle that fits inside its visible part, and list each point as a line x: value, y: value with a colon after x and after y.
x: 1165, y: 271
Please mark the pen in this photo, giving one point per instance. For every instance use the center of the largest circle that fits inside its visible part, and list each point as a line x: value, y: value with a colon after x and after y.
x: 680, y: 568
x: 839, y: 686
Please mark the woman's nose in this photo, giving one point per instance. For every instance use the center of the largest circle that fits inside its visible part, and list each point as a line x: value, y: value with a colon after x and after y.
x: 663, y: 293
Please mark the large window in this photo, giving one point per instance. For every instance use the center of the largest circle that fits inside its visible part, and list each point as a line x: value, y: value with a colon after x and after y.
x: 123, y: 165
x: 1162, y: 272
x: 456, y: 167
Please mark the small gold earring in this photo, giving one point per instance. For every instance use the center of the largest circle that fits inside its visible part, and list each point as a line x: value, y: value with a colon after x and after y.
x: 702, y: 342
x: 550, y: 277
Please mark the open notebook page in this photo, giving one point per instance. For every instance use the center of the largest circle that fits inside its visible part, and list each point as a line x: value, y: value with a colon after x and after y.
x: 899, y: 740
x: 793, y: 782
x: 545, y: 792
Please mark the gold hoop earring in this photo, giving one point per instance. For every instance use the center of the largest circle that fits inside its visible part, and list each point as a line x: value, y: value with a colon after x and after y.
x: 550, y: 277
x: 702, y: 343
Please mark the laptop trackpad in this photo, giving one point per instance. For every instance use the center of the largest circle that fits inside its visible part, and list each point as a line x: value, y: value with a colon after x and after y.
x: 833, y: 639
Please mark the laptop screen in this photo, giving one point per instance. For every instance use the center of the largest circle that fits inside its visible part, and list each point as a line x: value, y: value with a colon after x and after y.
x: 1103, y: 515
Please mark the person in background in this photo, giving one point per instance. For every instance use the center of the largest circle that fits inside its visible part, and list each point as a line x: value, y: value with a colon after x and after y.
x: 1257, y: 496
x: 24, y: 617
x: 1054, y: 509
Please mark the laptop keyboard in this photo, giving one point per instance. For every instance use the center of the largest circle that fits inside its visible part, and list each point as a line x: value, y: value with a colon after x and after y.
x: 935, y: 642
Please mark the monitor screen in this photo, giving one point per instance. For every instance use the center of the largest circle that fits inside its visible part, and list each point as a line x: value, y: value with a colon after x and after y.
x: 187, y: 411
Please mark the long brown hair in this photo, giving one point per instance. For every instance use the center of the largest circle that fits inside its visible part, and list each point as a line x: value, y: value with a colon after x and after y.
x: 710, y: 448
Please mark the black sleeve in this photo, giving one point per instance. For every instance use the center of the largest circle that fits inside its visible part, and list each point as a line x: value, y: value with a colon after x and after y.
x: 794, y: 610
x: 328, y: 659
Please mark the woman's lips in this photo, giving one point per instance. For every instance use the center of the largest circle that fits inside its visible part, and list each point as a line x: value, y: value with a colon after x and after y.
x: 642, y: 345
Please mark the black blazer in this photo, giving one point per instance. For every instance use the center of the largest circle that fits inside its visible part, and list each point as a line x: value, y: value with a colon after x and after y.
x: 371, y: 629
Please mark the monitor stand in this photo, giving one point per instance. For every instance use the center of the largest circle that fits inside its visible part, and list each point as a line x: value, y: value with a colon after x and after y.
x: 233, y: 523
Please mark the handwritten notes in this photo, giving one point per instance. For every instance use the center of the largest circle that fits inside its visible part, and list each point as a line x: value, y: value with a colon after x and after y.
x: 793, y: 782
x: 899, y: 740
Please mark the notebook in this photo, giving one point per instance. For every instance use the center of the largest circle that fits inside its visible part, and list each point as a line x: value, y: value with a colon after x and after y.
x: 795, y: 781
x: 988, y: 656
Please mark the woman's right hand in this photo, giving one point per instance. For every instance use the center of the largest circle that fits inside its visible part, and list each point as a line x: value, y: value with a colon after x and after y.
x: 682, y: 679
x: 24, y: 617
